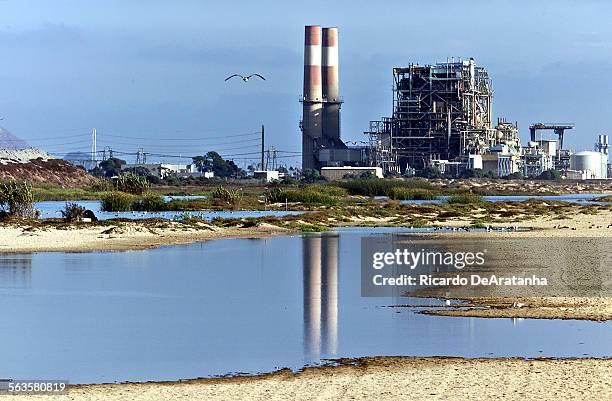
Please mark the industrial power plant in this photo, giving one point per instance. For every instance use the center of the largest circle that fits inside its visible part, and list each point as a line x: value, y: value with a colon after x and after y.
x: 441, y: 118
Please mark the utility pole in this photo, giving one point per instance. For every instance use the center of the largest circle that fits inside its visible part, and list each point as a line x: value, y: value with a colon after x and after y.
x: 262, y: 147
x: 93, y: 145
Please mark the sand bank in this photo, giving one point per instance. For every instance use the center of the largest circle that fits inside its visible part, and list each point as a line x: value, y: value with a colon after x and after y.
x: 120, y: 237
x: 385, y: 378
x: 580, y: 308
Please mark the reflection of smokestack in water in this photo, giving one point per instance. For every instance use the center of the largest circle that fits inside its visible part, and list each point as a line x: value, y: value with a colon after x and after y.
x: 312, y: 97
x: 312, y: 296
x: 331, y: 87
x: 329, y: 315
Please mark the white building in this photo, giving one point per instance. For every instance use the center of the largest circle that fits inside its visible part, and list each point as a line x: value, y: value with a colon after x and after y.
x: 267, y: 175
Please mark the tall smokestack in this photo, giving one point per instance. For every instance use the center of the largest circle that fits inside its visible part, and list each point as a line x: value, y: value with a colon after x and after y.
x: 331, y: 88
x: 312, y: 100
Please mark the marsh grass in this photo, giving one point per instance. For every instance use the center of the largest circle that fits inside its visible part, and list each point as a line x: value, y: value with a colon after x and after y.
x: 380, y: 186
x: 305, y: 195
x: 401, y: 193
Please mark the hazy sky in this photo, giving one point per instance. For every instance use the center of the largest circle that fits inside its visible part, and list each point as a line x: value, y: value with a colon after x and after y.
x: 156, y: 69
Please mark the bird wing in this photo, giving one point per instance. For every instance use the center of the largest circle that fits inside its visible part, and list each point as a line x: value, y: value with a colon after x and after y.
x: 256, y: 75
x: 235, y: 75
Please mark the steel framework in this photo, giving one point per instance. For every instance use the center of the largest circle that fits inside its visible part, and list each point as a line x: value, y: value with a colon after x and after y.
x: 440, y: 111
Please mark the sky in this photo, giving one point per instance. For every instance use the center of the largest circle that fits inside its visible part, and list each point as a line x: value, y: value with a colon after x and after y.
x: 150, y: 74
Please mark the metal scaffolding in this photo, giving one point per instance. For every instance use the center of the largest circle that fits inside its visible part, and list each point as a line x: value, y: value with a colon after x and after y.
x: 440, y: 111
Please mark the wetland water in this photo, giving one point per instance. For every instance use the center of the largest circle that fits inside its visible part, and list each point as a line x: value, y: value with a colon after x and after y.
x: 235, y: 306
x: 53, y: 209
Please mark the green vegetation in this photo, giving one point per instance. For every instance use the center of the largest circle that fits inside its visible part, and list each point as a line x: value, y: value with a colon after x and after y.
x: 73, y: 212
x: 418, y: 223
x: 399, y: 193
x: 131, y: 184
x: 118, y: 201
x: 212, y: 161
x: 478, y: 223
x: 229, y: 196
x: 110, y: 167
x: 17, y: 200
x: 550, y: 175
x: 430, y: 172
x: 379, y: 186
x: 465, y: 199
x: 306, y: 195
x: 150, y: 202
x: 62, y: 194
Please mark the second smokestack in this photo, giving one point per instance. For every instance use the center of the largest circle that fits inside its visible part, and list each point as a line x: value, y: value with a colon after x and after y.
x: 331, y: 87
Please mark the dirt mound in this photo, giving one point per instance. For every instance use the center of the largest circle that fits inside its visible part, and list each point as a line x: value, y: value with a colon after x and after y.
x: 49, y: 172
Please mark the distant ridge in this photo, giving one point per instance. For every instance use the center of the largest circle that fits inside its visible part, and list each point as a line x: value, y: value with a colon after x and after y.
x: 10, y: 141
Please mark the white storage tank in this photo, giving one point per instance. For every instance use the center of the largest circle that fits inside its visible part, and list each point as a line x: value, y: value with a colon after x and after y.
x: 594, y: 163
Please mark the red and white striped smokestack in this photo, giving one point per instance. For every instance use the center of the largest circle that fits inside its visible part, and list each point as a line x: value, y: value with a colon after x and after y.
x: 331, y: 86
x: 331, y: 90
x: 312, y: 64
x: 312, y: 98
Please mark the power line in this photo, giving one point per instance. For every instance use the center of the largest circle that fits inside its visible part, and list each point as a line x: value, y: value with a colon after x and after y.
x: 181, y: 139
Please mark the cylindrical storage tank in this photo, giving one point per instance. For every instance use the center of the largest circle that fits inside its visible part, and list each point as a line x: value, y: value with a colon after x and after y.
x: 588, y: 161
x: 312, y: 125
x: 331, y: 84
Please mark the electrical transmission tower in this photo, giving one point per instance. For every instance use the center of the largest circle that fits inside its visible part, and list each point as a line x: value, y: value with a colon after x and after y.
x: 93, y: 145
x: 141, y: 156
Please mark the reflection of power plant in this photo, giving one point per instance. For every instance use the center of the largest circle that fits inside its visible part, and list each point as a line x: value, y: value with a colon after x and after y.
x: 320, y: 295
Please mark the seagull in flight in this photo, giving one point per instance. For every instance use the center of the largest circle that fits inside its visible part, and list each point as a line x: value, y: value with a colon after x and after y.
x: 245, y: 79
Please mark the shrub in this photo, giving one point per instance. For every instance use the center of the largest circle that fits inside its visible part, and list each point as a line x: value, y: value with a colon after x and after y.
x: 278, y: 195
x: 150, y: 202
x: 430, y: 172
x: 101, y: 185
x: 327, y: 189
x: 465, y: 198
x: 231, y: 196
x: 117, y: 201
x: 17, y: 199
x: 73, y: 212
x: 514, y: 176
x: 379, y: 186
x: 550, y: 175
x: 418, y: 223
x: 399, y: 193
x: 131, y: 183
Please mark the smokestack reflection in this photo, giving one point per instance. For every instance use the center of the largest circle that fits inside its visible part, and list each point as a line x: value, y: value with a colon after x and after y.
x: 320, y: 255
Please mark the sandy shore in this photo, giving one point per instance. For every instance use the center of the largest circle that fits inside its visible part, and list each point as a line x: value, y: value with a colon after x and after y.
x: 575, y: 308
x: 134, y: 235
x: 384, y: 378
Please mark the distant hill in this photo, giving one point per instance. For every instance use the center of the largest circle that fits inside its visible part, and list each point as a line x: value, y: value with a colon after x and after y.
x: 10, y: 141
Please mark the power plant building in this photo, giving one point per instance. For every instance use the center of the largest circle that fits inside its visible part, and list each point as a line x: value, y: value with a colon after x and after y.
x: 441, y: 117
x: 440, y: 112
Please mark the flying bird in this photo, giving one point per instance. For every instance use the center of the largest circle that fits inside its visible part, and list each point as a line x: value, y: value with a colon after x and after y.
x: 245, y: 79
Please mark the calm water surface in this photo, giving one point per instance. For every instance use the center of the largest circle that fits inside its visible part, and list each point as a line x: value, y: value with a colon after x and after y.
x: 53, y: 209
x: 234, y: 306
